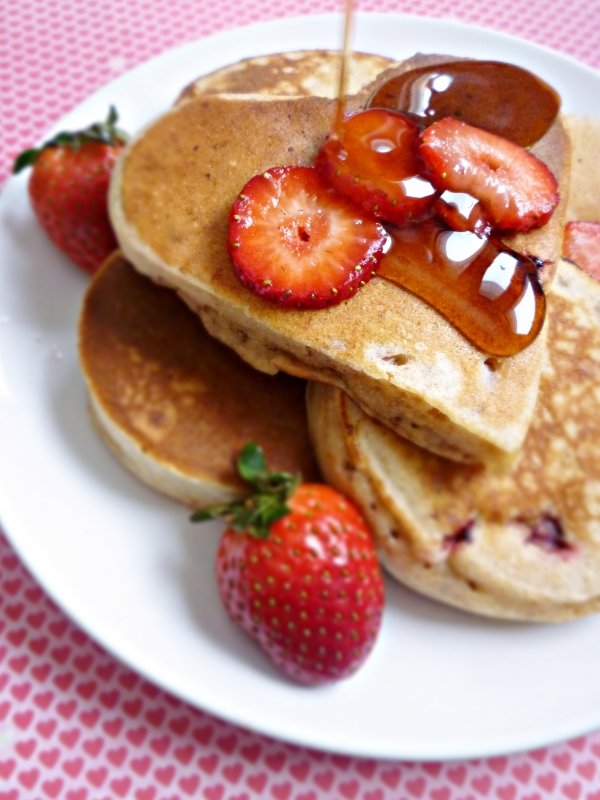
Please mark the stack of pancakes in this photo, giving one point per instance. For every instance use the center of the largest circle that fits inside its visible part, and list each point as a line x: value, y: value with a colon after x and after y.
x: 480, y: 477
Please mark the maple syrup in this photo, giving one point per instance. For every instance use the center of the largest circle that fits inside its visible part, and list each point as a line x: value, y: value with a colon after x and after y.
x: 502, y: 98
x: 485, y: 289
x: 488, y: 291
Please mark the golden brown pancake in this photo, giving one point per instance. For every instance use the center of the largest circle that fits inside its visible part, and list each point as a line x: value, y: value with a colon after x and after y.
x: 521, y: 545
x: 315, y: 73
x: 174, y: 404
x: 302, y: 73
x: 584, y: 202
x: 399, y: 359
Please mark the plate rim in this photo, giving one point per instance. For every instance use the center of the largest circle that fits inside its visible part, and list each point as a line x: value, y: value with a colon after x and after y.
x: 454, y: 750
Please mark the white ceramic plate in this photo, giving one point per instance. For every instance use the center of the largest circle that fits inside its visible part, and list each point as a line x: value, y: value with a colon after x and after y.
x: 131, y: 569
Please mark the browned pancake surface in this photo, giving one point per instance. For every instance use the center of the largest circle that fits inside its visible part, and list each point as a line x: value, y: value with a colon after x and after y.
x: 293, y: 74
x: 181, y: 178
x: 584, y: 203
x: 524, y: 544
x: 401, y: 361
x: 186, y: 400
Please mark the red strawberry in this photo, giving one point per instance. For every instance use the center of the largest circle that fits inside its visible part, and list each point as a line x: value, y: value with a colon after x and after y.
x: 462, y: 212
x: 68, y: 189
x: 581, y: 244
x: 297, y: 570
x: 295, y: 241
x: 516, y: 190
x: 374, y: 160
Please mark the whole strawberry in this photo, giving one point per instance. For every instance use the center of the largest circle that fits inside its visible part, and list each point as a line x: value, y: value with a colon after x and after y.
x: 68, y: 189
x: 297, y: 570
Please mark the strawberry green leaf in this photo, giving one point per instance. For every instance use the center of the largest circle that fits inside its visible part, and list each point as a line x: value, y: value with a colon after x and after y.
x: 25, y: 159
x: 251, y: 463
x: 105, y: 132
x: 266, y: 502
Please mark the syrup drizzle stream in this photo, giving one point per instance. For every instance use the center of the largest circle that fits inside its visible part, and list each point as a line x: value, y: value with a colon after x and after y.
x: 344, y: 66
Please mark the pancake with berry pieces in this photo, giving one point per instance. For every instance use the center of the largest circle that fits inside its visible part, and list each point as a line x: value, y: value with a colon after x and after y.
x: 401, y: 361
x: 175, y: 405
x: 522, y: 545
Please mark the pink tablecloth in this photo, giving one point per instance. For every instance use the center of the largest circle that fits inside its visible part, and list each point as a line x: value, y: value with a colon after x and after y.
x: 75, y: 724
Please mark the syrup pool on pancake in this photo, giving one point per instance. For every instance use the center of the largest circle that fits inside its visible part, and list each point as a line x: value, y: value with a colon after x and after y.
x: 455, y: 259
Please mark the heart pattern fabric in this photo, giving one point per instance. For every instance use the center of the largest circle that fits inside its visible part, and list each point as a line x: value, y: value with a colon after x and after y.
x: 35, y: 93
x: 75, y: 724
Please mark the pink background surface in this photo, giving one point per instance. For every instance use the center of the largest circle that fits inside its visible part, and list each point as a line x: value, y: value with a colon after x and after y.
x: 75, y: 724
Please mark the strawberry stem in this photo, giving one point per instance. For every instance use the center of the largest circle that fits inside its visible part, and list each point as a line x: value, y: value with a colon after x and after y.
x: 264, y: 504
x: 105, y: 132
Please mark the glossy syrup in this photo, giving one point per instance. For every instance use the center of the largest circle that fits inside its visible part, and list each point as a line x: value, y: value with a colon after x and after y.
x: 486, y: 290
x: 502, y: 98
x: 489, y: 292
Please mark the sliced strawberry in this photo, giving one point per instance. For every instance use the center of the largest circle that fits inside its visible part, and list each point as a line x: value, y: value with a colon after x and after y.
x: 462, y: 212
x: 374, y: 160
x: 295, y: 241
x: 581, y: 244
x: 516, y: 190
